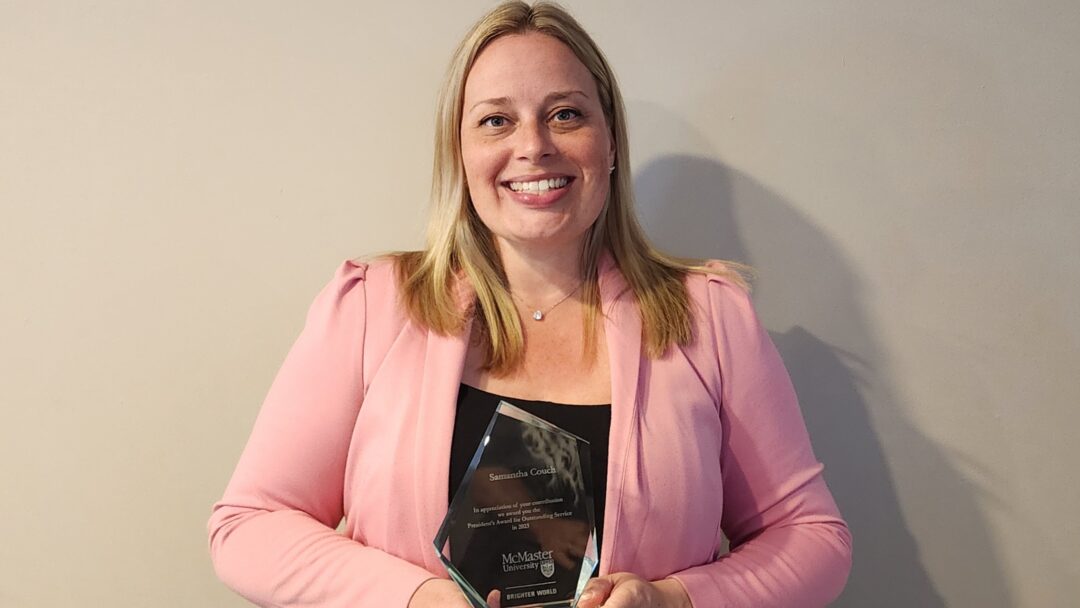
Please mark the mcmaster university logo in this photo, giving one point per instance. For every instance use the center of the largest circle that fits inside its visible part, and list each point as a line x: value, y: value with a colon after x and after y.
x: 547, y: 568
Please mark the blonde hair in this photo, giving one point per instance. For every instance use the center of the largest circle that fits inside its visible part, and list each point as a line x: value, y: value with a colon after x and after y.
x: 458, y: 243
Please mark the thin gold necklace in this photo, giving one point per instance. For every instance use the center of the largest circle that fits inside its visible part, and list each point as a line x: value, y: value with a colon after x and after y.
x: 538, y: 314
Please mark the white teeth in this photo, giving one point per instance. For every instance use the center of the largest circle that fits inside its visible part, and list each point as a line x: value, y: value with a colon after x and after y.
x: 542, y: 185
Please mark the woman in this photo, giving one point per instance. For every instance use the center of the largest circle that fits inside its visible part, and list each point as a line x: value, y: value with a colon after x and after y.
x: 536, y: 285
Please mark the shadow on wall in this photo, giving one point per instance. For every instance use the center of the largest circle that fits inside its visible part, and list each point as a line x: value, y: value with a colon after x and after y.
x: 696, y: 207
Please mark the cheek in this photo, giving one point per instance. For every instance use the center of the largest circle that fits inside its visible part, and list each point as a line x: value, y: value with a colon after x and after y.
x: 602, y: 192
x: 481, y: 164
x: 600, y: 182
x: 595, y: 152
x: 595, y: 157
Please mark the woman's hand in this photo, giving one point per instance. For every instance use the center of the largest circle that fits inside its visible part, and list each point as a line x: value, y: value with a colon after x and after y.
x: 625, y: 590
x: 441, y: 593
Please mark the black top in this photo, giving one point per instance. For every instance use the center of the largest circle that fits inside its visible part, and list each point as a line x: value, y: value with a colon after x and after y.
x: 592, y: 423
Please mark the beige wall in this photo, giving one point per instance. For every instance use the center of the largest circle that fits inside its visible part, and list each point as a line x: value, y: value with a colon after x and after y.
x: 177, y: 179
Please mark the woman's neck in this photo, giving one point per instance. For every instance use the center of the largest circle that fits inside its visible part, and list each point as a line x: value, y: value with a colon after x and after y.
x: 539, y: 275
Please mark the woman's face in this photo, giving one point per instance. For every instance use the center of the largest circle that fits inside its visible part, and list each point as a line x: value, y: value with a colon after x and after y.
x: 534, y: 142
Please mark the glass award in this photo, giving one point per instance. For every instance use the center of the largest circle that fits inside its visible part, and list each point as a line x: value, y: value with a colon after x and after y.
x: 521, y: 524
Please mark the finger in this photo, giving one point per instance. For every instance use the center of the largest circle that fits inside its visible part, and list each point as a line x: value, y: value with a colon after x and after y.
x: 596, y: 593
x: 494, y: 599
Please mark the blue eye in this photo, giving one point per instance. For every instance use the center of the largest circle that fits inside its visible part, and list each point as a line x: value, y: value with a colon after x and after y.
x: 566, y: 114
x: 494, y: 121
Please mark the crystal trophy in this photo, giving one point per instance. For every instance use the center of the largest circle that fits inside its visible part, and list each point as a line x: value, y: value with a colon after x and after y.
x: 521, y: 524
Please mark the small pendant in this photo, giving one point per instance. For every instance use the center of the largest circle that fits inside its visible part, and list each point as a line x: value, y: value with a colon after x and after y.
x: 538, y: 316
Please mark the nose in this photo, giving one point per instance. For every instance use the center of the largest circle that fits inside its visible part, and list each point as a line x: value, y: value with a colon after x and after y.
x: 534, y: 141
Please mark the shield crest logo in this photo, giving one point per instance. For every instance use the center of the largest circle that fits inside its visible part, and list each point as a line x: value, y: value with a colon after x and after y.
x: 547, y: 568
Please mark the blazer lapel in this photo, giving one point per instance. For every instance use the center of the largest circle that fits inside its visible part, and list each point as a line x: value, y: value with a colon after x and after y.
x: 622, y: 328
x: 443, y: 364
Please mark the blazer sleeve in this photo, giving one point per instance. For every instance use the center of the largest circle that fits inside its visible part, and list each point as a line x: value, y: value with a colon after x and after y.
x: 789, y: 546
x: 272, y: 534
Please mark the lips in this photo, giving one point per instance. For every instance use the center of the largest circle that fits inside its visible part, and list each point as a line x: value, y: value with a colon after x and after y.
x: 538, y: 190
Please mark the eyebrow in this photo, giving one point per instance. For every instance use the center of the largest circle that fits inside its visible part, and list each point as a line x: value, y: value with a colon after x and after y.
x: 556, y: 96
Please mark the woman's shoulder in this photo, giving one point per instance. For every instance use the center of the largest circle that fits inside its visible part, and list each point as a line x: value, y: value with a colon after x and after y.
x: 368, y: 284
x: 362, y: 294
x: 719, y: 293
x: 719, y: 278
x: 375, y: 272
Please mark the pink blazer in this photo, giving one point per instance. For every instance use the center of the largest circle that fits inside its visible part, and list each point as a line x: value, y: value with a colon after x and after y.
x: 706, y: 441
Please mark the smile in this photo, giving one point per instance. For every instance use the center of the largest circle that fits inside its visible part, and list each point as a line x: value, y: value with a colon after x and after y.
x: 539, y: 186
